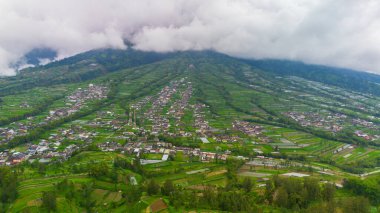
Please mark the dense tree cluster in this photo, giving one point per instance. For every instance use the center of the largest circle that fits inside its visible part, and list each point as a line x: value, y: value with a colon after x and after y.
x: 8, y: 185
x: 98, y: 170
x: 66, y: 188
x: 122, y: 163
x: 369, y: 188
x: 296, y: 194
x: 309, y: 195
x: 232, y: 200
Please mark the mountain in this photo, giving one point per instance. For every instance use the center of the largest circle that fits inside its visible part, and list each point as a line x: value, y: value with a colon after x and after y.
x: 126, y: 130
x: 363, y: 82
x: 78, y: 68
x: 111, y: 60
x: 36, y: 56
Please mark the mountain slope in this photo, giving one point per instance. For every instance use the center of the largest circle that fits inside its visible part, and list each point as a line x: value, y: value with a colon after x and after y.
x: 122, y: 125
x: 78, y: 68
x: 345, y: 78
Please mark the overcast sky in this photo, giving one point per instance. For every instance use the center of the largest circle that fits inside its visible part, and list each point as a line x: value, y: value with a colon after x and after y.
x: 344, y: 33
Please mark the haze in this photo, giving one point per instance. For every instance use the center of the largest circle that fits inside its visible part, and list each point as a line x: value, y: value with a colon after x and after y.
x: 330, y: 32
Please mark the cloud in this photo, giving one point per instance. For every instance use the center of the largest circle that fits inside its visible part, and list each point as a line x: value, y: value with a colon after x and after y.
x: 342, y: 33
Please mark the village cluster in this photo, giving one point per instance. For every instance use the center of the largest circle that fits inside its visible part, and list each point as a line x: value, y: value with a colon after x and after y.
x: 331, y: 122
x: 160, y: 123
x: 77, y: 101
x: 74, y: 102
x: 166, y: 149
x: 43, y: 152
x: 247, y: 128
x: 167, y: 120
x: 177, y: 111
x: 149, y: 117
x: 334, y: 122
x: 200, y: 123
x: 160, y: 115
x: 164, y: 113
x: 52, y: 147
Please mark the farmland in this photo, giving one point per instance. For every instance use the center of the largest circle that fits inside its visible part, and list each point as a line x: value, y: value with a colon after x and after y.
x: 160, y: 134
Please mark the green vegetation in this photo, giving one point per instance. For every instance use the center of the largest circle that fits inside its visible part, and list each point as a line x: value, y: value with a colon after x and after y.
x: 131, y: 131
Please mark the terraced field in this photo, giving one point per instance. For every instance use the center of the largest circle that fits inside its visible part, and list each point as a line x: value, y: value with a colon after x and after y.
x: 195, y: 119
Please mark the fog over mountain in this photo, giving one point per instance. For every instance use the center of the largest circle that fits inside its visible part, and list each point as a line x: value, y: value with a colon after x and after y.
x: 342, y: 33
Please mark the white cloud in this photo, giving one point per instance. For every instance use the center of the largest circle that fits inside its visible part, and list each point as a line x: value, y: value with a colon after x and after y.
x: 333, y: 32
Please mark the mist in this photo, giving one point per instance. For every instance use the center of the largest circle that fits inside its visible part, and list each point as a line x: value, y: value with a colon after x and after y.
x: 337, y: 33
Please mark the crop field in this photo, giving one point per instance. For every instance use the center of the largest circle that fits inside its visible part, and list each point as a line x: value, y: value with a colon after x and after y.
x: 189, y: 125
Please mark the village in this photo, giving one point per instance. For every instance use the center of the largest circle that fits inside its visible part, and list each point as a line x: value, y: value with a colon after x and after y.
x: 42, y: 153
x: 331, y: 122
x: 203, y: 128
x: 74, y: 103
x: 154, y: 129
x: 47, y: 150
x: 60, y: 144
x: 77, y: 101
x: 136, y: 133
x: 165, y: 114
x: 247, y: 128
x: 160, y: 123
x: 139, y: 149
x: 335, y: 122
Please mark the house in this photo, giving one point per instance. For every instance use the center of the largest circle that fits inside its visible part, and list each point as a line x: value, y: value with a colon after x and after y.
x: 17, y: 157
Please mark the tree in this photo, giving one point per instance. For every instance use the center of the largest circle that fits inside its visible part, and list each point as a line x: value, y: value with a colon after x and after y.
x: 49, y: 201
x: 153, y: 187
x: 281, y: 197
x: 369, y: 189
x: 210, y: 197
x: 42, y: 168
x: 356, y: 205
x: 67, y: 188
x: 328, y: 192
x: 137, y: 165
x: 86, y: 200
x: 247, y: 184
x: 269, y: 188
x: 312, y: 189
x: 133, y: 193
x: 119, y: 162
x: 8, y: 185
x: 3, y: 207
x: 295, y: 201
x: 114, y: 176
x: 167, y: 188
x: 232, y: 166
x: 98, y: 170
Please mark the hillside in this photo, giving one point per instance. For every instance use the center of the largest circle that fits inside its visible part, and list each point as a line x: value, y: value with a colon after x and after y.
x: 122, y: 129
x: 364, y: 82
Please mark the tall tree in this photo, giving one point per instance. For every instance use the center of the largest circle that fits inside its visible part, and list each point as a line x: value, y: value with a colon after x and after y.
x: 247, y: 184
x: 167, y: 188
x: 153, y: 187
x: 356, y: 205
x: 49, y: 201
x: 328, y: 192
x: 133, y: 193
x: 312, y: 188
x: 281, y: 197
x: 86, y: 200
